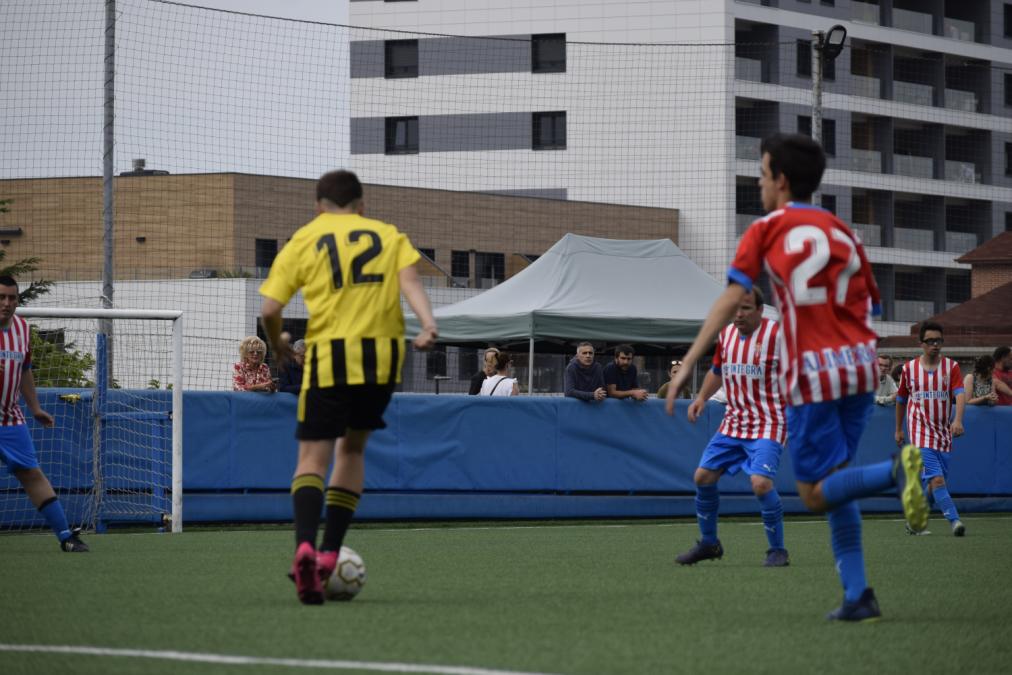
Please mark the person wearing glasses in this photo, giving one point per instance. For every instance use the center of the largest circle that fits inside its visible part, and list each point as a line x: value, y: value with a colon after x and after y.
x: 676, y: 365
x: 252, y: 373
x: 929, y: 386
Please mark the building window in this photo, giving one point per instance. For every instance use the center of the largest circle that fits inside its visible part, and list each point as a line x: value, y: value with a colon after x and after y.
x: 435, y: 362
x: 490, y: 266
x: 549, y: 130
x: 747, y: 199
x: 828, y: 132
x: 264, y: 252
x: 460, y: 264
x: 1008, y: 221
x: 402, y: 136
x: 429, y: 253
x: 467, y: 364
x: 829, y: 203
x: 804, y: 53
x: 1008, y: 159
x: 1008, y: 21
x: 401, y: 58
x: 828, y: 3
x: 548, y: 53
x: 1008, y: 89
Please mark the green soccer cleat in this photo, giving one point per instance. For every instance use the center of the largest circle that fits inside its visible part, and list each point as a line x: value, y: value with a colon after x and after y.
x: 907, y: 469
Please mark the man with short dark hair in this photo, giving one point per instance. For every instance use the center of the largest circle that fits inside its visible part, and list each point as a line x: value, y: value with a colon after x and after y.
x: 584, y: 377
x: 886, y: 392
x: 929, y: 386
x: 1002, y: 375
x: 621, y: 379
x: 351, y: 271
x: 17, y: 453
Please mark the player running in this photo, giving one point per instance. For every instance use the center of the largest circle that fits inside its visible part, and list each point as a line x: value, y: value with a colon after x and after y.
x: 752, y: 435
x: 352, y: 271
x: 17, y: 453
x: 825, y: 292
x: 927, y: 388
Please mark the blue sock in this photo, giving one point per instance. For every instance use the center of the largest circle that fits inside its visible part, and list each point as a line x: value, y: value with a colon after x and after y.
x: 845, y: 528
x: 707, y: 503
x: 773, y: 518
x: 856, y: 482
x: 52, y: 511
x: 944, y: 501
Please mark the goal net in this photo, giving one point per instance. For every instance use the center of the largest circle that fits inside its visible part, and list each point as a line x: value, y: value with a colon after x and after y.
x: 111, y: 379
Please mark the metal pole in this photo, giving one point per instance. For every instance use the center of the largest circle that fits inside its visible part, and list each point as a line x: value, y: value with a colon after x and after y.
x: 108, y: 140
x: 818, y: 42
x: 530, y: 367
x: 177, y: 425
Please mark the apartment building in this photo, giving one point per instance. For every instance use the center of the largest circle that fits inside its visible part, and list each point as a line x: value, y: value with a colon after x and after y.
x: 587, y: 103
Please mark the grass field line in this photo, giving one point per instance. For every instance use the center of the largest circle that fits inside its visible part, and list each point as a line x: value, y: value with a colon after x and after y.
x: 236, y: 660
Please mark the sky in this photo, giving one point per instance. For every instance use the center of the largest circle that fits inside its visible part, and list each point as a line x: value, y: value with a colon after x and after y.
x: 197, y: 90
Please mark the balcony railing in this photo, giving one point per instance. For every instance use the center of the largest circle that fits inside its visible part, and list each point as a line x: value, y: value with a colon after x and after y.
x: 912, y: 92
x: 961, y: 172
x: 871, y: 235
x: 866, y: 160
x: 960, y: 242
x: 958, y: 29
x: 957, y: 99
x: 863, y: 85
x: 865, y: 12
x: 905, y: 19
x: 914, y: 166
x: 747, y: 147
x: 748, y: 69
x: 913, y: 239
x: 913, y: 310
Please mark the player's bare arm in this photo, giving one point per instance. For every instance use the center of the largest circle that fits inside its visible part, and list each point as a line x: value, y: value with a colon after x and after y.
x: 957, y: 423
x: 414, y: 293
x: 1001, y: 386
x: 901, y: 414
x: 720, y: 314
x: 32, y: 399
x: 271, y: 319
x: 711, y: 383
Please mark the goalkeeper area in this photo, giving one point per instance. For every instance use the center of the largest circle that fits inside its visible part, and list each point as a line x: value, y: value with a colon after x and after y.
x: 578, y: 597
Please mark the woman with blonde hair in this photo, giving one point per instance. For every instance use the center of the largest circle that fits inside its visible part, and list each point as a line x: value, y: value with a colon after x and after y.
x: 487, y: 370
x: 501, y: 384
x: 252, y: 373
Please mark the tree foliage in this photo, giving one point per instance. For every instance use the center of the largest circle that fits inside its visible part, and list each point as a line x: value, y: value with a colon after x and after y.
x: 58, y: 364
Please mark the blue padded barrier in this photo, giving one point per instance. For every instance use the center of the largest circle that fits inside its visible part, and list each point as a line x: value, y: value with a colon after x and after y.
x: 469, y: 457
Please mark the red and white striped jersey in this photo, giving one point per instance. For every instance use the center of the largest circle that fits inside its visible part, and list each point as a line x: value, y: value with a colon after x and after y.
x: 930, y: 395
x: 15, y: 356
x: 750, y: 369
x: 825, y: 291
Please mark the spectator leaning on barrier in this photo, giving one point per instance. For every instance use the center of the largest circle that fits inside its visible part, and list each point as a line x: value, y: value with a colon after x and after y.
x: 251, y: 373
x: 584, y: 376
x: 500, y: 383
x: 621, y: 379
x: 676, y: 365
x: 290, y: 375
x: 979, y: 384
x: 487, y: 370
x: 886, y: 392
x: 1003, y: 375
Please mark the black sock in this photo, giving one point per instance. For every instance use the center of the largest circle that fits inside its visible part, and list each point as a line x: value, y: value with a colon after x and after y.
x: 341, y: 505
x: 307, y: 502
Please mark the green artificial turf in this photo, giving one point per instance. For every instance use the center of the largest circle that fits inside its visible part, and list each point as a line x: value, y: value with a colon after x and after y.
x: 551, y: 598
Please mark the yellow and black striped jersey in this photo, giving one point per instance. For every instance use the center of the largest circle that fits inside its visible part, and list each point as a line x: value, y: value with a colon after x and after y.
x: 347, y: 267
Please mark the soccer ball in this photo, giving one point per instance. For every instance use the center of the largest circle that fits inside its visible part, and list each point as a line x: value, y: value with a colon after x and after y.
x: 348, y: 578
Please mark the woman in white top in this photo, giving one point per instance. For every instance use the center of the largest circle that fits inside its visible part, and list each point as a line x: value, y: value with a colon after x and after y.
x: 500, y: 384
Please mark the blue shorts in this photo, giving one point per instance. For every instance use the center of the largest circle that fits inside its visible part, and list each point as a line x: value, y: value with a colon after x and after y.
x: 822, y: 436
x: 16, y: 449
x: 758, y: 456
x: 935, y: 463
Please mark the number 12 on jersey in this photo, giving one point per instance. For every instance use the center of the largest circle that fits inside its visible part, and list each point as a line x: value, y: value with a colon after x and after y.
x: 358, y: 263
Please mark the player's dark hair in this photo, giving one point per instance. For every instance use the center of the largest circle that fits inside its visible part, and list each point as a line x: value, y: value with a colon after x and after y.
x: 1000, y: 353
x: 929, y: 325
x: 797, y: 157
x: 983, y: 366
x: 340, y: 187
x: 624, y: 349
x: 8, y: 280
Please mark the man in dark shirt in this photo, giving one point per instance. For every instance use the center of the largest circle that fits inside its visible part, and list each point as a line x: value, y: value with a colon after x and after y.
x: 290, y: 376
x: 584, y: 376
x: 620, y: 376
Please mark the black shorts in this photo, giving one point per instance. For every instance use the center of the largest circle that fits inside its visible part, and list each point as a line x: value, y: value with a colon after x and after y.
x: 330, y: 412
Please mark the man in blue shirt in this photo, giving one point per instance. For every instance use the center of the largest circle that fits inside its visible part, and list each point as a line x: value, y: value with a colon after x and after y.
x: 620, y: 376
x: 584, y: 376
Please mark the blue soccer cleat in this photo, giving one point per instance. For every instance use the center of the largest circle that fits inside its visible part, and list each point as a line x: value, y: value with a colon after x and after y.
x: 907, y: 469
x: 777, y: 557
x: 864, y: 609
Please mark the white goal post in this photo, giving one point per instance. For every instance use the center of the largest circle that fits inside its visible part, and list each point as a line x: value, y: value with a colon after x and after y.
x: 124, y: 350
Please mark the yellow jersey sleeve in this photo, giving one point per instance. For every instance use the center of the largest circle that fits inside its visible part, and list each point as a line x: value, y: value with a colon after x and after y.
x: 283, y: 281
x: 407, y: 255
